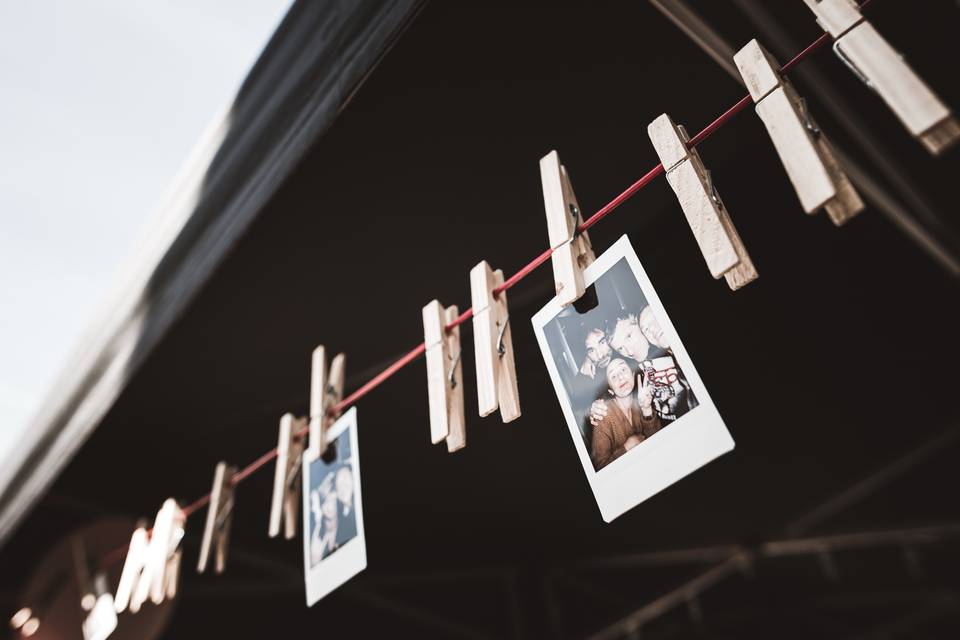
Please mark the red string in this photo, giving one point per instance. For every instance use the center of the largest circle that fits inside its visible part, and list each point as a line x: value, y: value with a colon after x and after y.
x: 607, y: 209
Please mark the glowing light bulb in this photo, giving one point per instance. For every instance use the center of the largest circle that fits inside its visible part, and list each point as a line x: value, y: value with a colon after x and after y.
x: 30, y: 627
x: 20, y: 617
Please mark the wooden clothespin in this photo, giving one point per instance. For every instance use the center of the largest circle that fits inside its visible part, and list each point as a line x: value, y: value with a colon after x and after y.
x: 444, y: 376
x: 708, y: 218
x: 286, y: 478
x: 326, y: 390
x: 803, y: 148
x: 572, y: 251
x: 216, y: 531
x: 152, y: 567
x: 883, y: 69
x: 493, y: 345
x: 163, y: 553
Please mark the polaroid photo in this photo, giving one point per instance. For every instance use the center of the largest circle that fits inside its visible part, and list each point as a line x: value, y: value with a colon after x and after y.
x: 638, y: 413
x: 334, y: 546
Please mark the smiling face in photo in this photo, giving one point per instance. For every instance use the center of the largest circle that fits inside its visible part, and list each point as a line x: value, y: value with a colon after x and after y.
x: 628, y: 339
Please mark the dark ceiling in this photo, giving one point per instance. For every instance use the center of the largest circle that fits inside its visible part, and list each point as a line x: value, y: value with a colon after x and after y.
x: 835, y: 364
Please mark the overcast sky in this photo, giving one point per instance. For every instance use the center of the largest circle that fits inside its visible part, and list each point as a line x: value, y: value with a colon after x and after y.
x: 101, y: 102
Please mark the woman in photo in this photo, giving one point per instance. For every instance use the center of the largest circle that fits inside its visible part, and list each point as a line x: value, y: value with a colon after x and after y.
x: 323, y: 504
x: 630, y: 418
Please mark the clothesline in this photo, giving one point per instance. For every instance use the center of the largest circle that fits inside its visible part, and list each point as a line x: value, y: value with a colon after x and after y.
x: 522, y: 273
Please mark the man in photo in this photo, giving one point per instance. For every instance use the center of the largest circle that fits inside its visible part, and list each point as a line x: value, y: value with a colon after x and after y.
x: 591, y: 376
x: 323, y: 507
x: 598, y: 352
x: 346, y: 516
x: 627, y: 338
x: 640, y: 338
x: 653, y: 332
x: 629, y: 419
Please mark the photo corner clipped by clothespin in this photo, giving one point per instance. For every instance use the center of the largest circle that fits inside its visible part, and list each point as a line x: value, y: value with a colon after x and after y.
x: 444, y: 375
x: 571, y: 249
x: 882, y: 68
x: 803, y: 148
x: 493, y: 345
x: 326, y: 391
x: 216, y: 531
x: 716, y: 236
x: 285, y: 502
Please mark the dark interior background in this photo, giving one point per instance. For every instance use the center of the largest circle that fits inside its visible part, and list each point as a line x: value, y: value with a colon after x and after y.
x: 838, y: 362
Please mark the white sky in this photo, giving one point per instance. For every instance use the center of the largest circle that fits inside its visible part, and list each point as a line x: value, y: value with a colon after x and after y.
x: 101, y: 102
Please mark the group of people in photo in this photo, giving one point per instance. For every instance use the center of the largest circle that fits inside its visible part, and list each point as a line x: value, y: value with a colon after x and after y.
x: 333, y: 516
x: 631, y: 380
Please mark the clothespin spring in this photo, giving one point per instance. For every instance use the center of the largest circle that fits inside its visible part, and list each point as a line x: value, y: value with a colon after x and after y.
x: 501, y: 349
x: 808, y: 121
x: 852, y: 66
x: 712, y: 189
x: 294, y: 475
x: 453, y: 370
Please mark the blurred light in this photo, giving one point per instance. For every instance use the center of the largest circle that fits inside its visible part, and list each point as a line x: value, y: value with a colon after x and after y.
x: 87, y: 601
x: 102, y: 621
x: 30, y: 627
x: 20, y: 617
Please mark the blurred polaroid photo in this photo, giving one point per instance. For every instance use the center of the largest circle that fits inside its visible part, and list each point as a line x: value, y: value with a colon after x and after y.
x: 638, y: 413
x: 334, y: 546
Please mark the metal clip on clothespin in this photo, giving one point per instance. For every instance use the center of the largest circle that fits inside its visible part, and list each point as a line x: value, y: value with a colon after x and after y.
x: 708, y: 218
x: 572, y: 251
x: 216, y: 531
x: 882, y: 68
x: 444, y: 376
x: 152, y: 567
x: 493, y: 345
x: 326, y: 390
x: 805, y: 152
x: 285, y: 503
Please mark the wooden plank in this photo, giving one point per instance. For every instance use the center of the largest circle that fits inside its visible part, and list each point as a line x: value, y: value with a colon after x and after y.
x: 216, y: 530
x: 484, y: 336
x: 508, y: 393
x: 847, y: 202
x: 436, y: 357
x: 285, y: 502
x: 836, y: 17
x: 571, y: 251
x: 719, y: 242
x: 797, y: 149
x: 132, y: 570
x: 456, y: 416
x: 318, y: 386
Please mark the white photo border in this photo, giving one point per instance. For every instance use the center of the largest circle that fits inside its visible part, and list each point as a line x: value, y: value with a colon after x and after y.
x: 350, y: 559
x: 674, y: 452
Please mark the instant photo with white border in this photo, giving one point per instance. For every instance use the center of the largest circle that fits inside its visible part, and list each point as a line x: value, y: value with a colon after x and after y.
x: 334, y: 545
x: 682, y: 441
